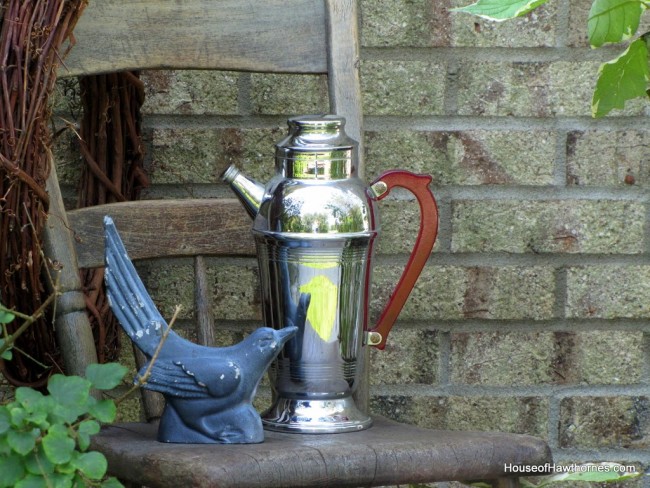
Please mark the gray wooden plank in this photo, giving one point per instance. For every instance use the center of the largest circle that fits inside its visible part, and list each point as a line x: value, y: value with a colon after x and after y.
x: 117, y: 35
x: 164, y: 228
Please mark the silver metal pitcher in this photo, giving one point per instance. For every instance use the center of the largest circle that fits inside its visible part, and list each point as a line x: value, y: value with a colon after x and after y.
x: 315, y: 224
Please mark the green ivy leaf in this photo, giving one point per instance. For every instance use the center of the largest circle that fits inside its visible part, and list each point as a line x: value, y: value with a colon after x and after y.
x: 6, y: 317
x: 91, y: 464
x: 103, y: 410
x: 112, y: 483
x: 17, y: 414
x: 105, y: 376
x: 11, y: 470
x: 32, y: 481
x: 5, y: 420
x: 28, y: 397
x: 71, y: 393
x: 22, y: 442
x: 60, y: 480
x: 6, y: 355
x: 86, y: 429
x: 622, y: 79
x: 35, y: 404
x: 500, y: 10
x: 58, y: 445
x: 613, y: 20
x: 37, y: 462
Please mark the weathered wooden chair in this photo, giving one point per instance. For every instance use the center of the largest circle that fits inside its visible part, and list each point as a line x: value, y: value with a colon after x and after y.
x: 303, y: 36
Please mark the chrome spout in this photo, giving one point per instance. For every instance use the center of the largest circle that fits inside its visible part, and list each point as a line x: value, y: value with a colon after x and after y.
x: 248, y: 191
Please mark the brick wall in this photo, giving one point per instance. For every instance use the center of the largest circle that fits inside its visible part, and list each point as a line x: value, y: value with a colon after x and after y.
x: 532, y: 313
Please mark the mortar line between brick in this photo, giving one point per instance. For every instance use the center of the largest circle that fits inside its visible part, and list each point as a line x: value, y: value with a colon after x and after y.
x: 562, y: 27
x: 451, y: 88
x: 410, y: 122
x: 560, y: 292
x: 244, y: 104
x: 646, y: 230
x: 442, y: 193
x: 531, y: 260
x: 541, y: 390
x: 493, y: 122
x: 646, y: 351
x: 496, y: 192
x: 445, y: 216
x: 487, y: 54
x: 465, y: 260
x: 519, y: 326
x: 553, y: 422
x: 444, y: 357
x: 560, y: 162
x: 601, y: 454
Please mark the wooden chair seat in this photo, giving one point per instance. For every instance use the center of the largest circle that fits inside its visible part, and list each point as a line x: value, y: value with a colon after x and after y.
x: 386, y: 454
x: 307, y: 36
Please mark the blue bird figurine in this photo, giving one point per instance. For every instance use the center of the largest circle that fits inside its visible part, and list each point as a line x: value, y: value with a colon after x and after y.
x: 208, y: 390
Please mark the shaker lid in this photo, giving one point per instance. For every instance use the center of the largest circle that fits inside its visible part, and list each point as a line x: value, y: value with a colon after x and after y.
x: 317, y: 147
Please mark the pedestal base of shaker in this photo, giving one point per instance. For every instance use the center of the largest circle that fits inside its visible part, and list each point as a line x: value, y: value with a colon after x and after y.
x: 315, y: 416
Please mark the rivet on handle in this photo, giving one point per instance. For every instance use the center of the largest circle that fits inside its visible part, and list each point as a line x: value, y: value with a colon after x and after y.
x: 378, y: 189
x: 373, y: 338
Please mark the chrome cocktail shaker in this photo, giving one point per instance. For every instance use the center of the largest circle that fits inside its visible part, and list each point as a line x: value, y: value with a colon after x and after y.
x: 315, y: 224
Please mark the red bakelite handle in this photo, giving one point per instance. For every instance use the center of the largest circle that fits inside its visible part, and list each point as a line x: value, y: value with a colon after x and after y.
x: 419, y: 186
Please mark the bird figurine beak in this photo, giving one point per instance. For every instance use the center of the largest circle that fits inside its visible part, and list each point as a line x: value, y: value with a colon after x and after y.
x: 286, y: 333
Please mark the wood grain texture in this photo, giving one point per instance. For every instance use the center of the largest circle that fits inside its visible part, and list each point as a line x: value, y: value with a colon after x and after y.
x: 118, y: 35
x: 386, y: 454
x: 164, y: 228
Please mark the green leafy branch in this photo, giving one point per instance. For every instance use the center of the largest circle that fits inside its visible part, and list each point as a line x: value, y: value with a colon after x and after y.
x: 610, y: 21
x: 44, y: 439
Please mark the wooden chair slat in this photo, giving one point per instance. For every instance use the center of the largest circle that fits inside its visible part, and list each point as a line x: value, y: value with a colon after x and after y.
x: 164, y: 228
x: 203, y: 303
x: 118, y: 35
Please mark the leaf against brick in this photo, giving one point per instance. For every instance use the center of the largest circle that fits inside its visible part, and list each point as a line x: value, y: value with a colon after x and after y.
x: 500, y: 10
x: 613, y: 20
x: 622, y: 79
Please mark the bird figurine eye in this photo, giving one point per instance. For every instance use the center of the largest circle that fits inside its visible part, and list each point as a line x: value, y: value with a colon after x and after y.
x: 268, y: 341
